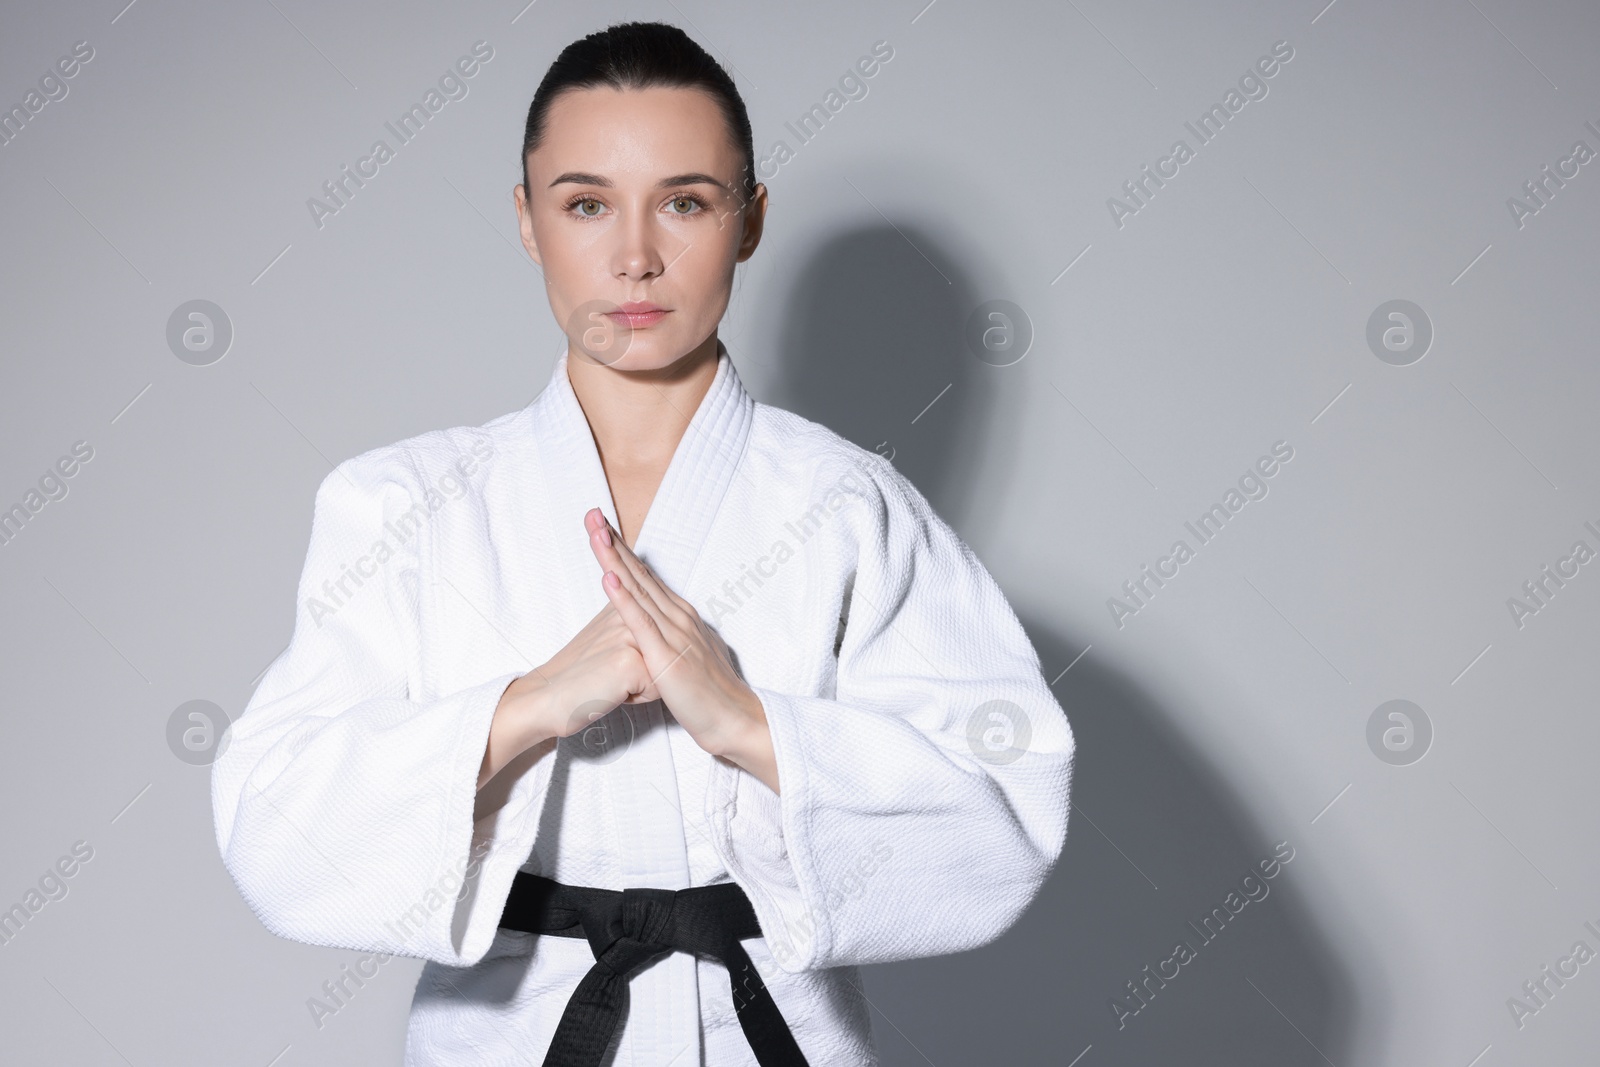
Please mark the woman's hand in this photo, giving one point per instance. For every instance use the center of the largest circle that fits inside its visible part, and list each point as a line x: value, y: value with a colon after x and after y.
x: 688, y: 663
x: 598, y: 669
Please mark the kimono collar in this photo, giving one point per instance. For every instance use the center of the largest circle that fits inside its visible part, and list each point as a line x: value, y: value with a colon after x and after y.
x: 680, y: 516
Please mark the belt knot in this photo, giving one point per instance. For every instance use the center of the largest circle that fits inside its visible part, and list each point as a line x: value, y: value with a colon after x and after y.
x: 628, y: 930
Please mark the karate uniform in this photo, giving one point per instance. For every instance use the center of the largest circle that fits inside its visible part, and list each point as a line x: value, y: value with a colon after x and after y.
x: 923, y: 762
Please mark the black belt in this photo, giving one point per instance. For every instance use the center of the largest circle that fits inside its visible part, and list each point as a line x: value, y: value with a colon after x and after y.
x: 627, y: 928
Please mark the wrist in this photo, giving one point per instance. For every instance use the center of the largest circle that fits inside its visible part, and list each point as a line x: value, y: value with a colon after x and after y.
x: 519, y: 723
x: 750, y: 746
x: 532, y: 721
x: 740, y: 733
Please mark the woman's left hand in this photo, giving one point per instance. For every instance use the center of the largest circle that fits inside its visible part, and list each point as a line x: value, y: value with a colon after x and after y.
x: 688, y: 661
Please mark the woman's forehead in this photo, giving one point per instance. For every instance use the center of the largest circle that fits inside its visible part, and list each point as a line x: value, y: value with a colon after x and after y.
x: 635, y: 134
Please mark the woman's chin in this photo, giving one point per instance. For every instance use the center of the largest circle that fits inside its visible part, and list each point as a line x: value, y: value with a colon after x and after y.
x: 645, y: 353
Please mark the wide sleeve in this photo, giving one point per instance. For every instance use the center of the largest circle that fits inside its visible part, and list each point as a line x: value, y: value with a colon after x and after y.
x: 925, y: 801
x: 343, y: 806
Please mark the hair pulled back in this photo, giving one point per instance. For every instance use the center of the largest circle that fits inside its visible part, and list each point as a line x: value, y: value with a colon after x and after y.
x: 641, y: 55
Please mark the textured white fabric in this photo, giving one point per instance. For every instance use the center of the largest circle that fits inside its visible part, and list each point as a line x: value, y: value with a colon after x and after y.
x: 916, y: 817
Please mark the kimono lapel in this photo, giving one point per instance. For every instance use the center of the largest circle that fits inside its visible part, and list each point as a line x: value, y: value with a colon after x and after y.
x: 680, y: 516
x: 642, y: 782
x: 676, y: 525
x: 702, y: 468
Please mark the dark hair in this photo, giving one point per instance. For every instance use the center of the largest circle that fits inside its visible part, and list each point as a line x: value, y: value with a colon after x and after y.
x: 639, y: 55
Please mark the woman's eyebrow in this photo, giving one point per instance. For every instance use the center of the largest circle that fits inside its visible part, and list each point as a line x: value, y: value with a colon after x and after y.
x: 578, y: 177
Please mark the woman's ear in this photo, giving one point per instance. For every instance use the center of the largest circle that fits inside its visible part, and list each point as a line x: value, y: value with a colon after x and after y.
x: 755, y: 217
x: 519, y: 193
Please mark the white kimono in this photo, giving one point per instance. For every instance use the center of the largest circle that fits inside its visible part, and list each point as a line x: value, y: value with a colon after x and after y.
x: 924, y: 764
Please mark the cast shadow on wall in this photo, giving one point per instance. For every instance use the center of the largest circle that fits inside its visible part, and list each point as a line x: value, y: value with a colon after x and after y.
x: 1157, y: 838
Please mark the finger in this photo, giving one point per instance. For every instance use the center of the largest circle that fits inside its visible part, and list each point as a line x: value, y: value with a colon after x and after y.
x: 608, y: 537
x: 664, y: 605
x: 641, y: 687
x: 609, y: 548
x: 605, y: 542
x: 613, y: 561
x: 615, y: 556
x: 640, y: 622
x: 642, y: 573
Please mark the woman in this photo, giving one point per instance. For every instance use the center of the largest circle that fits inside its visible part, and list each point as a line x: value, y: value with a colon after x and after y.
x: 645, y: 634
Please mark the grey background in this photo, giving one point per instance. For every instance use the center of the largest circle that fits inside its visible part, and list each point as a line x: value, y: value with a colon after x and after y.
x: 1229, y: 313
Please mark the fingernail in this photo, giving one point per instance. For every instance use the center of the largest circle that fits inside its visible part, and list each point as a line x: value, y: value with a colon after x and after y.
x: 611, y: 580
x: 605, y: 532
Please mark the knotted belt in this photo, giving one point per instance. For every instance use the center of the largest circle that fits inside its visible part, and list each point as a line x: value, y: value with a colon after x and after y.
x: 627, y: 928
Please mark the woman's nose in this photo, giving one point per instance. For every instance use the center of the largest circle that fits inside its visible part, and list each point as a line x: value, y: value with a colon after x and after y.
x: 639, y: 250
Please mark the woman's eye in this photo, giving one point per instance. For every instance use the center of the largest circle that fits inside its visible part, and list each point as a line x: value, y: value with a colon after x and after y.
x: 590, y: 208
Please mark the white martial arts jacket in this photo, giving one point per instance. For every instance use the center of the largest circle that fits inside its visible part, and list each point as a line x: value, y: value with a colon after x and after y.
x: 924, y: 764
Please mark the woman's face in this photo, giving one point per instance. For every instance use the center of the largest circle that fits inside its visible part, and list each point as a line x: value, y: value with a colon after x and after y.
x: 635, y: 201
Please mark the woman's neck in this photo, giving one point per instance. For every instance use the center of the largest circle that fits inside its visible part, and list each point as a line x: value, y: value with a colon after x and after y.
x: 637, y: 419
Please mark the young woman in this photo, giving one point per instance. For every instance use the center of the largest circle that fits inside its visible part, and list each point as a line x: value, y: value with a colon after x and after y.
x: 646, y: 713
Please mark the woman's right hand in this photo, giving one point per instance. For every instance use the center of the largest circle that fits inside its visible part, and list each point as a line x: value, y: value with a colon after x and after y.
x: 600, y: 668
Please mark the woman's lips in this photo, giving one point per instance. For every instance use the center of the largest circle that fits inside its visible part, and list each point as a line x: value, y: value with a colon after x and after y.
x: 635, y: 316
